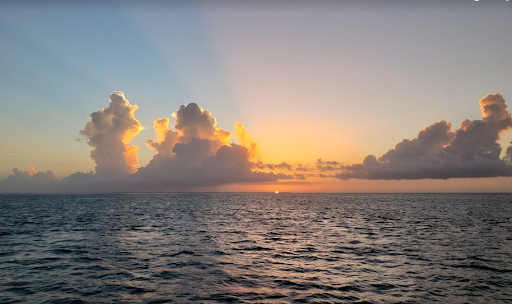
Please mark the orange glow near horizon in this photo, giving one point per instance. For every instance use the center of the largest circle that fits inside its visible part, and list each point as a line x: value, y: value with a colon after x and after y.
x: 304, y: 140
x: 332, y: 185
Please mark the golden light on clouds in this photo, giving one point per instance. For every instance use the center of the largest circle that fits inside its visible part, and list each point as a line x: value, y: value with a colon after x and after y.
x: 32, y: 171
x: 165, y: 138
x: 195, y: 154
x: 135, y: 127
x: 223, y: 136
x: 161, y: 126
x: 130, y: 157
x: 109, y: 133
x: 245, y: 139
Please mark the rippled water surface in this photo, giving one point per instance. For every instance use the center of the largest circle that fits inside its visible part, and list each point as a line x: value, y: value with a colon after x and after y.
x: 256, y: 248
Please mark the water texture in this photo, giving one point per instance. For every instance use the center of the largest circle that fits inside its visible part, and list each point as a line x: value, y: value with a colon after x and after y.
x: 256, y: 248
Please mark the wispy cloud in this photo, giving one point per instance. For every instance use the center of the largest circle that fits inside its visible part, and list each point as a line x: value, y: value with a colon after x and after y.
x: 6, y: 153
x: 302, y: 168
x: 284, y: 166
x: 328, y: 165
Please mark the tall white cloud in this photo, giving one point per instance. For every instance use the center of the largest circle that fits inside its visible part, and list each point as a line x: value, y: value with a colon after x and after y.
x: 109, y: 133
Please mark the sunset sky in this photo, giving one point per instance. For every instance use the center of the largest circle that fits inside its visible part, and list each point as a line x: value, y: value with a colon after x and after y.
x: 329, y: 80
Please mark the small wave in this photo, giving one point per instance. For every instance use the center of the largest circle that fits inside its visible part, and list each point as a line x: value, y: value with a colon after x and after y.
x: 253, y: 248
x: 137, y: 290
x: 160, y: 301
x: 183, y: 252
x: 220, y: 297
x: 167, y: 275
x: 218, y: 252
x: 6, y: 233
x: 483, y: 267
x: 20, y: 290
x: 290, y: 284
x: 87, y: 259
x: 383, y: 286
x: 62, y: 251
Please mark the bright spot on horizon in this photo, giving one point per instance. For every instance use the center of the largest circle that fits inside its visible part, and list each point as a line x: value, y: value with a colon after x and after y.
x: 276, y: 192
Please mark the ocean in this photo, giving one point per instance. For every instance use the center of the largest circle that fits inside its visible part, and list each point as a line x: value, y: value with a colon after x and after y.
x: 256, y: 248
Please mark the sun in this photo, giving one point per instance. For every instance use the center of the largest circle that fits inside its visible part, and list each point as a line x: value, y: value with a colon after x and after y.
x: 276, y: 192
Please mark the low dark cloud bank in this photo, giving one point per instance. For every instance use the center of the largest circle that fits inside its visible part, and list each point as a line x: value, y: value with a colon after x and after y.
x: 440, y: 153
x: 21, y: 181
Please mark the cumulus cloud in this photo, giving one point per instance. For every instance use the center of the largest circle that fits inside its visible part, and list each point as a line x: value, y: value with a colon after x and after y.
x: 165, y: 138
x: 440, y: 153
x: 193, y: 122
x: 196, y: 153
x: 193, y: 153
x: 109, y: 133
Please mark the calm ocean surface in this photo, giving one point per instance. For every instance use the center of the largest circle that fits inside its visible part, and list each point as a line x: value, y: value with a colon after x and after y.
x: 256, y: 248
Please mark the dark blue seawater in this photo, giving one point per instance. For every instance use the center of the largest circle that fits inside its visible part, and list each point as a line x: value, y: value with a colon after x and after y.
x: 256, y: 248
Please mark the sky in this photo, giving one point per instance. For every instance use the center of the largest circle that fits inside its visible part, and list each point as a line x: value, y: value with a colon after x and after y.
x: 323, y: 96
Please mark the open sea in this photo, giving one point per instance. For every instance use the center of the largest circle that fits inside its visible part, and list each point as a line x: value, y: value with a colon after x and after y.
x: 256, y: 248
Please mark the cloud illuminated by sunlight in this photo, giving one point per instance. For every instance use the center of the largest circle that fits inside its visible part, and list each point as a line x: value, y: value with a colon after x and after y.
x: 245, y: 139
x: 439, y: 153
x: 109, y: 133
x: 195, y: 154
